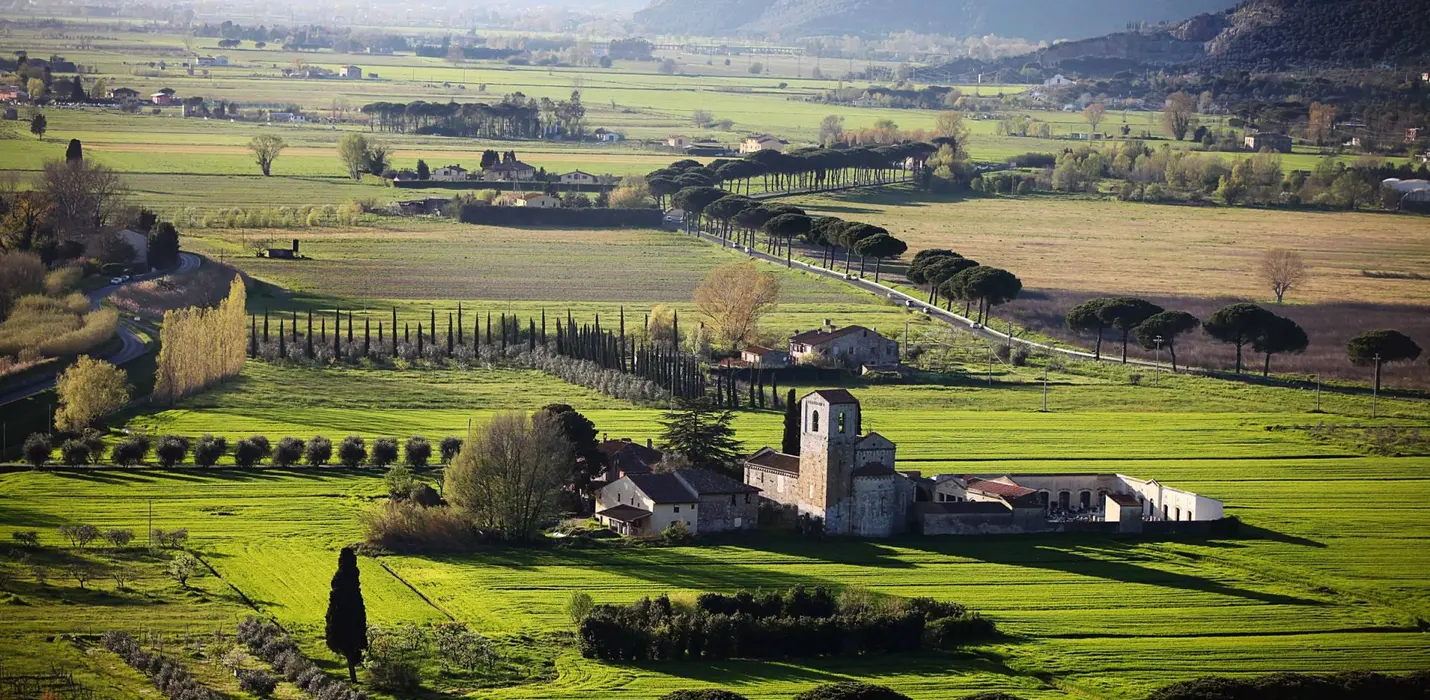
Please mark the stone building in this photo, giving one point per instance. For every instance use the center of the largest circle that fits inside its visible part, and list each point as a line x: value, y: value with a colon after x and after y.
x: 851, y: 346
x: 641, y: 505
x: 850, y: 480
x: 840, y: 476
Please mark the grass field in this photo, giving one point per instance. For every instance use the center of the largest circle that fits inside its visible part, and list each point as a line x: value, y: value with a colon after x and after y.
x: 1306, y: 588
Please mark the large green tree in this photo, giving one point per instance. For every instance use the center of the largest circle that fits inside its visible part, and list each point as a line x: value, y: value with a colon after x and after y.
x: 346, y: 621
x: 702, y: 434
x: 1278, y: 335
x: 880, y: 247
x: 580, y: 432
x: 1124, y: 314
x: 1237, y: 324
x: 1166, y: 326
x: 783, y: 229
x: 938, y: 274
x: 1374, y: 348
x: 989, y: 286
x: 1086, y: 318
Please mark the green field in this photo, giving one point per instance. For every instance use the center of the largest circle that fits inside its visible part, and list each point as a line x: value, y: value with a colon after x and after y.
x: 1306, y: 588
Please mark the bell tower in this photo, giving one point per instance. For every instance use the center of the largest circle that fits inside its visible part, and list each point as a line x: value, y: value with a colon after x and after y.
x: 829, y: 429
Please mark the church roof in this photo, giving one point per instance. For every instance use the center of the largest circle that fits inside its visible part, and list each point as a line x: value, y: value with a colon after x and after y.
x: 835, y: 396
x: 767, y: 458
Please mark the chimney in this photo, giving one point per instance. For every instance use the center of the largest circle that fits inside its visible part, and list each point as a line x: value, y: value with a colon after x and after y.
x: 828, y: 326
x: 605, y: 436
x: 648, y: 444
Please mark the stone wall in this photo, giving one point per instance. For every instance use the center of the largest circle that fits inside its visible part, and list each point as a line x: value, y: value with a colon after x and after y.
x: 725, y: 512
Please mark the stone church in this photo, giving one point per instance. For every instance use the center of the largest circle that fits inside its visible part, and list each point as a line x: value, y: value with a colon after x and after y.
x: 848, y: 479
x: 840, y: 475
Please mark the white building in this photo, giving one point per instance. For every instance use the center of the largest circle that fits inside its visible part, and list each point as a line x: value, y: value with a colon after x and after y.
x: 1058, y: 80
x: 449, y: 173
x: 535, y: 200
x: 579, y: 177
x: 762, y: 142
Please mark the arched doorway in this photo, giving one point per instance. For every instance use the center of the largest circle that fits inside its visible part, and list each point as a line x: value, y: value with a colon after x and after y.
x: 1064, y: 498
x: 1084, y: 500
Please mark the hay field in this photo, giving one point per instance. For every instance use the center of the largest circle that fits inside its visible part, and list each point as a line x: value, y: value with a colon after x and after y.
x: 1105, y: 246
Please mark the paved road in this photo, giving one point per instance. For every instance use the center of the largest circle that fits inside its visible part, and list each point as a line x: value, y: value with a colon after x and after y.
x: 131, y: 346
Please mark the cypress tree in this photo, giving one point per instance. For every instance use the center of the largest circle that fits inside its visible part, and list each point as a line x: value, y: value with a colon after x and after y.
x: 308, y: 340
x: 74, y: 152
x: 282, y: 346
x: 394, y: 331
x: 531, y: 335
x: 449, y: 335
x: 346, y: 629
x: 406, y: 332
x: 265, y: 325
x: 543, y: 327
x: 419, y: 340
x: 253, y: 336
x: 323, y: 329
x: 337, y: 334
x: 350, y: 326
x: 790, y: 444
x: 432, y: 327
x: 366, y: 335
x: 489, y: 328
x: 294, y: 327
x: 460, y: 339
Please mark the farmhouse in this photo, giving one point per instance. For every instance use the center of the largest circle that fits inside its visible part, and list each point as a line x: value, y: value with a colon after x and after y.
x: 646, y: 504
x: 625, y: 457
x: 1279, y: 143
x: 510, y: 171
x: 579, y: 177
x: 536, y: 200
x: 1059, y: 80
x: 352, y: 72
x: 162, y: 97
x: 762, y: 142
x: 10, y: 93
x: 124, y: 94
x: 449, y: 173
x: 849, y: 480
x: 851, y: 346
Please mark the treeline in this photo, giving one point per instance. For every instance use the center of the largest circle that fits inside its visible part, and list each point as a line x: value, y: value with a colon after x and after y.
x: 1351, y: 685
x: 1161, y: 174
x: 620, y: 362
x: 931, y: 97
x: 956, y: 278
x: 515, y: 116
x: 200, y: 347
x: 206, y: 451
x: 799, y: 623
x: 805, y: 169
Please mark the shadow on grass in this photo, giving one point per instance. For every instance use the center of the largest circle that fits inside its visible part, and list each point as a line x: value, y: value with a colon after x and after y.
x: 834, y: 669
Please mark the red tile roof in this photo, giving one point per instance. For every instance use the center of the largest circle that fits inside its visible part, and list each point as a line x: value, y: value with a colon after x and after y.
x: 999, y: 488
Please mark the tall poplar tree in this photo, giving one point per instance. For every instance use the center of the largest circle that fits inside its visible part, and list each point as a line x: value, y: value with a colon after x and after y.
x: 346, y: 631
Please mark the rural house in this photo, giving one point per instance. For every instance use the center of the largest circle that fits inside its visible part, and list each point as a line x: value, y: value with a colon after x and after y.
x: 1278, y: 143
x: 1058, y: 80
x: 535, y: 200
x: 352, y: 72
x: 625, y: 457
x: 510, y: 171
x: 646, y: 504
x: 851, y: 482
x: 123, y: 94
x: 162, y: 97
x: 579, y: 177
x: 760, y: 356
x: 762, y: 142
x: 449, y: 173
x: 851, y: 346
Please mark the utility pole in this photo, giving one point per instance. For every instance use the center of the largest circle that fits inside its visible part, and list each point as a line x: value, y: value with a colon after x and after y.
x: 1375, y: 390
x: 1045, y: 388
x: 1157, y: 366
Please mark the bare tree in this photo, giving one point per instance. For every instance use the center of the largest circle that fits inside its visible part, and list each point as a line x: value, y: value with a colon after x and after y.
x: 733, y: 297
x: 85, y: 195
x: 265, y: 150
x: 1094, y: 115
x: 1179, y: 115
x: 1283, y: 270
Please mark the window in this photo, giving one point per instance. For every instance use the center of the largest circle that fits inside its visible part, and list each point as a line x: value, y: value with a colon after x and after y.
x: 841, y: 421
x: 747, y: 498
x: 677, y: 509
x: 732, y: 499
x: 814, y: 422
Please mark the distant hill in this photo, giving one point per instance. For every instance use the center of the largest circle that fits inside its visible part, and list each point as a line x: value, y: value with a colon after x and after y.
x: 1258, y: 35
x: 1035, y: 20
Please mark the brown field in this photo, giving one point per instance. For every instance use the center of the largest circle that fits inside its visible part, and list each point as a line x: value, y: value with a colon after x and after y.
x: 1076, y: 245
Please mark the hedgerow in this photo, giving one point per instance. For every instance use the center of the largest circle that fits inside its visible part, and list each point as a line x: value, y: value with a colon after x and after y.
x: 269, y: 642
x: 167, y: 673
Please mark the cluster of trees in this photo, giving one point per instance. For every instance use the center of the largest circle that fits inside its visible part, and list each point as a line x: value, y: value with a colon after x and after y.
x: 361, y: 155
x: 931, y: 97
x: 1156, y: 174
x: 813, y: 169
x: 956, y: 278
x: 663, y: 364
x: 199, y: 346
x: 798, y: 623
x: 1242, y: 325
x: 66, y: 211
x: 41, y: 314
x: 515, y: 116
x: 87, y: 447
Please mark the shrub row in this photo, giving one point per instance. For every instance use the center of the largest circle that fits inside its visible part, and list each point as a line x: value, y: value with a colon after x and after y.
x: 843, y: 690
x: 1297, y: 686
x: 800, y: 623
x: 167, y: 673
x: 269, y: 642
x: 170, y: 450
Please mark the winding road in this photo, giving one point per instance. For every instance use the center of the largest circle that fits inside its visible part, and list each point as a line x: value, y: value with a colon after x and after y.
x: 131, y: 346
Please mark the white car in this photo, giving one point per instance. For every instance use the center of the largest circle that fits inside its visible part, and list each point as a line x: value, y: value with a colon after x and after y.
x: 116, y: 280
